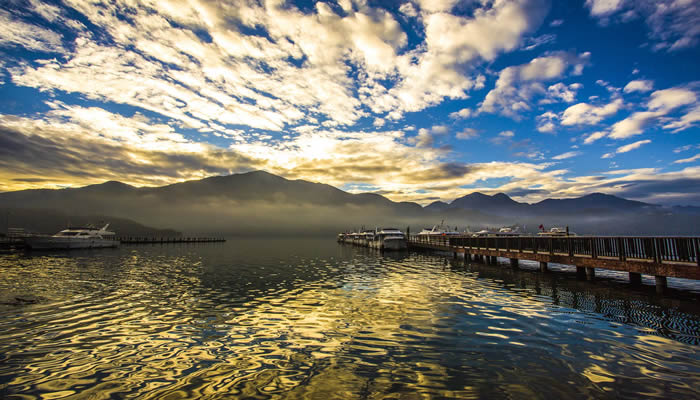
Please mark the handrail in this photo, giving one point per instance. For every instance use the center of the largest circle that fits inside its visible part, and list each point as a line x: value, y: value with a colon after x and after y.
x: 656, y: 249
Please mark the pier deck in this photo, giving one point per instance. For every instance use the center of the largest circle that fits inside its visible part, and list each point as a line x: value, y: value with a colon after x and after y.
x: 154, y: 240
x: 661, y: 257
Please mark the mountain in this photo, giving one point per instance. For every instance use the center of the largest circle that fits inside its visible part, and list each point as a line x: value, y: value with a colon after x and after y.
x: 249, y: 203
x: 260, y: 203
x: 595, y: 203
x: 499, y: 203
x: 592, y: 203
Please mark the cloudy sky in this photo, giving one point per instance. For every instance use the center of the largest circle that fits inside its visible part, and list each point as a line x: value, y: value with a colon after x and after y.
x: 419, y: 100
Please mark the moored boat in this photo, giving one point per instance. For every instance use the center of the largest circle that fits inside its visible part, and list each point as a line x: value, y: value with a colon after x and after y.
x: 389, y: 239
x: 74, y: 238
x: 557, y: 231
x: 438, y: 230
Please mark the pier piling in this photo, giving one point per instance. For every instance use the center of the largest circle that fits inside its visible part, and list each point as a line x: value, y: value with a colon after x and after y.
x: 543, y: 266
x: 635, y: 278
x: 660, y: 284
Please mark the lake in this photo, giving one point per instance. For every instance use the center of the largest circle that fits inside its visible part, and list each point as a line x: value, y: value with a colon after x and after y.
x: 309, y: 318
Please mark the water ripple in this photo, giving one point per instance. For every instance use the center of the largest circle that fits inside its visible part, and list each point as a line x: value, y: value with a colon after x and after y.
x: 308, y: 319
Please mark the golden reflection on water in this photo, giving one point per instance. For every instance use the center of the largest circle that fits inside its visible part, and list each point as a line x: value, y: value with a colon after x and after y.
x: 171, y: 323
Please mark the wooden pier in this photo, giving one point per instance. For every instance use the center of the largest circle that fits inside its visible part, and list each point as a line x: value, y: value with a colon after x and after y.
x: 164, y: 240
x: 661, y: 257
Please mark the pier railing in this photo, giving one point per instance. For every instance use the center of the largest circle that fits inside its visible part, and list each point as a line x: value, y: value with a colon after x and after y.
x: 653, y: 249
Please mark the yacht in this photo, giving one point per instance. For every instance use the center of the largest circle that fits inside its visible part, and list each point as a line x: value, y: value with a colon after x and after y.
x: 74, y: 238
x: 557, y: 231
x: 389, y: 239
x: 438, y: 230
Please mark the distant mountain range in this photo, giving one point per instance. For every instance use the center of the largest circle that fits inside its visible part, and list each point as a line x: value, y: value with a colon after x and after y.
x: 501, y: 204
x: 258, y: 202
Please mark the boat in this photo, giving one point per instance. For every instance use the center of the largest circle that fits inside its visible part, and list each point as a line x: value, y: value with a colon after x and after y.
x: 74, y: 238
x: 439, y: 230
x: 557, y: 231
x: 389, y: 239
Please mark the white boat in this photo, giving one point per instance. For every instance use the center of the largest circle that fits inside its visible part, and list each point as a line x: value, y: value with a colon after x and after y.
x: 438, y: 230
x: 557, y: 231
x: 389, y: 239
x: 74, y: 238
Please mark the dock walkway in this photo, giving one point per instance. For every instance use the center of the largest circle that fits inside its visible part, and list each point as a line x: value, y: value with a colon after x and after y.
x: 154, y: 240
x: 661, y: 257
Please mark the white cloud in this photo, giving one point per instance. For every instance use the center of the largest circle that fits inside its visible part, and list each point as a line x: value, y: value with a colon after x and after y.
x: 461, y: 114
x: 639, y: 86
x: 688, y: 120
x: 673, y: 24
x: 660, y: 104
x: 688, y: 160
x: 632, y: 125
x: 632, y: 146
x: 507, y: 134
x: 587, y: 114
x: 546, y: 122
x: 566, y: 155
x: 32, y: 37
x: 467, y: 133
x: 595, y: 136
x: 517, y: 85
x: 378, y: 122
x: 668, y: 99
x: 604, y: 7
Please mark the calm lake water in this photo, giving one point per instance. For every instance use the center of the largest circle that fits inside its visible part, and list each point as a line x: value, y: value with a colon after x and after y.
x: 314, y: 319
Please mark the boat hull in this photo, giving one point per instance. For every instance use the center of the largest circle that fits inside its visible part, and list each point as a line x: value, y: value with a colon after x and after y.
x: 55, y: 243
x: 394, y: 244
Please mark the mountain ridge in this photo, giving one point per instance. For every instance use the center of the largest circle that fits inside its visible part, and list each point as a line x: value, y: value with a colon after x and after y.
x: 259, y: 202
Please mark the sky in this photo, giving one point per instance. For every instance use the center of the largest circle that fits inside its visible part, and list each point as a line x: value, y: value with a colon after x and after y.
x: 418, y: 100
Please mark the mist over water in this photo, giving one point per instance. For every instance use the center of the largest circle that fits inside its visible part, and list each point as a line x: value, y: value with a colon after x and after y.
x: 282, y: 318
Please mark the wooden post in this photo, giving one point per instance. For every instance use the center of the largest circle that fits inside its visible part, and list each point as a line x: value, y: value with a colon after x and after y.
x: 543, y: 266
x: 635, y: 278
x: 660, y: 284
x: 514, y: 263
x: 580, y: 272
x: 621, y: 249
x: 590, y: 273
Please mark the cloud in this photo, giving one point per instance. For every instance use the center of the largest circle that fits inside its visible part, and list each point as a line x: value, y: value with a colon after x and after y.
x: 517, y: 85
x: 595, y: 136
x: 566, y: 155
x: 467, y: 133
x: 688, y: 160
x: 502, y: 137
x: 556, y: 22
x: 537, y: 41
x: 587, y: 114
x: 661, y: 103
x: 546, y: 122
x: 32, y: 37
x: 632, y: 125
x: 461, y: 114
x: 672, y: 24
x: 639, y: 86
x: 632, y: 146
x: 604, y: 7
